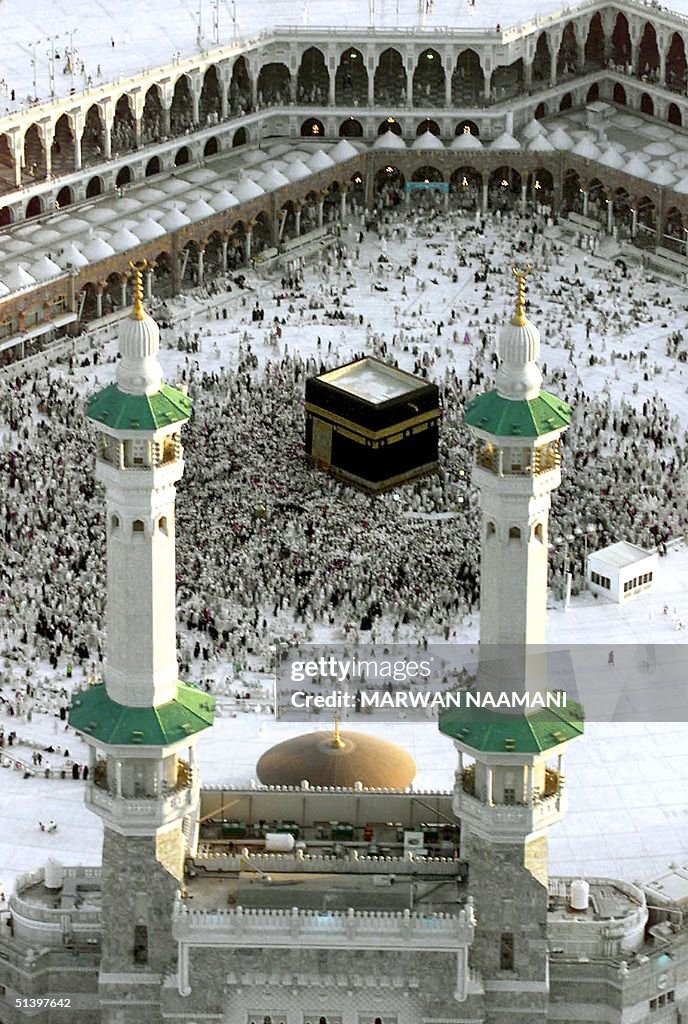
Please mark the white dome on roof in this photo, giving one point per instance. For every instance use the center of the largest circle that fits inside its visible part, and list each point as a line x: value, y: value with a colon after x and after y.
x: 16, y: 246
x: 427, y: 141
x: 560, y: 139
x: 44, y: 236
x: 126, y: 205
x: 297, y: 170
x: 223, y: 200
x: 17, y: 279
x: 320, y: 161
x: 388, y: 140
x: 505, y: 141
x: 636, y: 167
x: 273, y: 179
x: 466, y: 141
x: 198, y: 210
x: 149, y: 194
x: 98, y: 249
x: 123, y: 240
x: 99, y: 215
x: 532, y: 129
x: 662, y: 176
x: 172, y: 186
x: 174, y: 219
x: 247, y: 189
x: 70, y: 254
x: 586, y: 148
x: 612, y: 158
x: 540, y: 144
x: 200, y: 175
x: 149, y: 229
x: 342, y: 151
x: 44, y: 269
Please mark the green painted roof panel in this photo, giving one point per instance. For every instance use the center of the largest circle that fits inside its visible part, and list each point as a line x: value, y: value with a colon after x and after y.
x: 530, y: 733
x: 120, y: 411
x: 527, y: 418
x: 94, y: 713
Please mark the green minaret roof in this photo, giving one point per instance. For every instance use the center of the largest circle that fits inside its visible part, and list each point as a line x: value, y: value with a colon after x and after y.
x: 94, y: 713
x: 505, y: 417
x: 121, y: 411
x: 530, y: 733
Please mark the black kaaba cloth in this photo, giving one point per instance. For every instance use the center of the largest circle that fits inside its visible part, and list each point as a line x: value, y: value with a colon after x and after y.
x: 372, y: 424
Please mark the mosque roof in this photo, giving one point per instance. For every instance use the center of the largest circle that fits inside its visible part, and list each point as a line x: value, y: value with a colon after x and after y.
x: 530, y: 733
x: 94, y: 713
x: 122, y: 411
x: 525, y: 418
x: 337, y: 759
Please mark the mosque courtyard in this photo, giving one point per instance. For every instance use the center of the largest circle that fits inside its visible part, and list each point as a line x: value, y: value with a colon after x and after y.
x: 253, y: 515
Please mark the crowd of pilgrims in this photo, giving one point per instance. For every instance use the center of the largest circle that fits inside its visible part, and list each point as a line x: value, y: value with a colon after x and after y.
x: 271, y: 551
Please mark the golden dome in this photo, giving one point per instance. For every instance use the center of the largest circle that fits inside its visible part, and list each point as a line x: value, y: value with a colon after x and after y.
x: 337, y: 759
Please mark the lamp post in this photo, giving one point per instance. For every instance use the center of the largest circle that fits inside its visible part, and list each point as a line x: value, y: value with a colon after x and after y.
x: 72, y: 60
x: 585, y: 532
x: 566, y: 589
x: 33, y: 61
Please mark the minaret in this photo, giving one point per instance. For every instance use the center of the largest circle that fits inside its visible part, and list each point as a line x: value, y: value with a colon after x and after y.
x: 141, y: 723
x: 509, y: 790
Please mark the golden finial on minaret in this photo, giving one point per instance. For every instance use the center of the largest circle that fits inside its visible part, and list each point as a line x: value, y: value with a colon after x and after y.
x: 337, y: 740
x: 137, y: 310
x: 519, y: 317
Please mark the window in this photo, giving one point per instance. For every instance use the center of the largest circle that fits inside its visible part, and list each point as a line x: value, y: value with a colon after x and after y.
x: 509, y: 795
x: 140, y: 944
x: 514, y: 533
x: 491, y: 529
x: 663, y: 1000
x: 162, y: 524
x: 506, y: 951
x: 137, y: 526
x: 539, y: 533
x: 114, y: 523
x: 600, y: 581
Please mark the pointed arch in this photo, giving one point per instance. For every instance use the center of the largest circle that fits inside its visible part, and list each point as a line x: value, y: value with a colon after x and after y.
x: 567, y: 55
x: 468, y: 80
x: 93, y: 137
x: 390, y: 79
x: 428, y: 80
x: 351, y: 79
x: 181, y: 111
x: 274, y: 85
x: 123, y: 131
x: 152, y: 119
x: 648, y: 54
x: 676, y: 69
x: 62, y: 149
x: 34, y: 154
x: 210, y: 101
x: 595, y: 44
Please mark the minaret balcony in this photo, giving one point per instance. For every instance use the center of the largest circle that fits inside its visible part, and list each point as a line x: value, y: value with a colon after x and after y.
x: 142, y: 814
x: 505, y: 821
x: 156, y: 475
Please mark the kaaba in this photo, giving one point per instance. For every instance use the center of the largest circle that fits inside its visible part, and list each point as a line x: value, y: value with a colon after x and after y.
x: 372, y: 425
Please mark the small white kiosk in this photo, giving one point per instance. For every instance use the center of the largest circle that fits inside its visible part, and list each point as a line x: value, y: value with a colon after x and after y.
x: 621, y: 571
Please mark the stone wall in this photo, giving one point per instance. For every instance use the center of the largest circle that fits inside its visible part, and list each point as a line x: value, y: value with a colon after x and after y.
x: 139, y: 891
x: 243, y: 985
x: 509, y: 901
